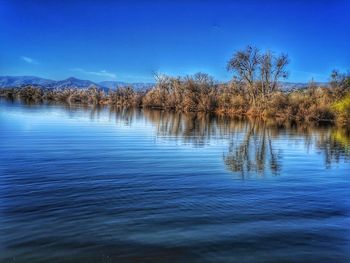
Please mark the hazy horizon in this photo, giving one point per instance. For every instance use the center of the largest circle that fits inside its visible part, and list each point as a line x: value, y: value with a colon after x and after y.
x: 146, y: 82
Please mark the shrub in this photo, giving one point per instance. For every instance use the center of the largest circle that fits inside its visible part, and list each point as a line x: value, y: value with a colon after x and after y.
x: 342, y: 109
x: 125, y: 97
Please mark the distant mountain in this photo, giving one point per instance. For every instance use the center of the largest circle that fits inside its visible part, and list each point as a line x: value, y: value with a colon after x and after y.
x: 288, y: 86
x: 118, y: 84
x: 20, y: 81
x: 73, y: 83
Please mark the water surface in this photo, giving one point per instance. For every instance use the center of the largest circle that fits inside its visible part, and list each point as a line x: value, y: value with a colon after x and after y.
x: 101, y: 185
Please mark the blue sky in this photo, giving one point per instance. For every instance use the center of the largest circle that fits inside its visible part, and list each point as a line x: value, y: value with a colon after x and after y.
x: 130, y: 40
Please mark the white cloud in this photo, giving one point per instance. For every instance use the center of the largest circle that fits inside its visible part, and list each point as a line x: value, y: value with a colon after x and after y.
x: 101, y: 73
x: 29, y: 60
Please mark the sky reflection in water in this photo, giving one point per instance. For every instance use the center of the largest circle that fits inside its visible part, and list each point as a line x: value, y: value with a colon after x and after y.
x: 85, y: 185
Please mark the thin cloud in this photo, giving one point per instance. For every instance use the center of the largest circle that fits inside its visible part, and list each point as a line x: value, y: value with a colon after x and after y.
x: 29, y: 60
x: 101, y: 73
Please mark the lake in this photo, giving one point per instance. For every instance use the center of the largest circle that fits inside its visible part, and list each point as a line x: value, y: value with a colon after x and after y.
x: 83, y: 184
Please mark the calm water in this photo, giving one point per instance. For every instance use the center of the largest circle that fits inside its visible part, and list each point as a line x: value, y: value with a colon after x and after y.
x: 99, y: 185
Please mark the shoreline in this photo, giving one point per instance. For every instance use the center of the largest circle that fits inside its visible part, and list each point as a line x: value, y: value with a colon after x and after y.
x: 106, y: 102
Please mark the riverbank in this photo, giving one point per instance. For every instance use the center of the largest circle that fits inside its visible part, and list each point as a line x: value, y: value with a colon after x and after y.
x: 314, y: 104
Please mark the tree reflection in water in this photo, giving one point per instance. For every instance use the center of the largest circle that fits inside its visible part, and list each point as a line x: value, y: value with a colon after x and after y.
x: 196, y: 129
x: 254, y: 153
x: 254, y: 147
x: 335, y: 146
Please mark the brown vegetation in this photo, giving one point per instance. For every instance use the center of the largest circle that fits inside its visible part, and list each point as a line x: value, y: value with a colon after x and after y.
x: 254, y: 91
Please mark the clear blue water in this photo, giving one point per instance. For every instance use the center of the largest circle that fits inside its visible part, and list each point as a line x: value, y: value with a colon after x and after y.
x: 101, y: 185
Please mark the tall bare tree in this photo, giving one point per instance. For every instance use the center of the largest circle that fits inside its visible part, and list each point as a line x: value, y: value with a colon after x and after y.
x: 340, y: 82
x: 272, y: 69
x: 244, y: 64
x: 258, y: 72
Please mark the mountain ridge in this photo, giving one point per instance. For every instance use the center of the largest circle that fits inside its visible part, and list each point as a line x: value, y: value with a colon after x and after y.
x: 72, y: 82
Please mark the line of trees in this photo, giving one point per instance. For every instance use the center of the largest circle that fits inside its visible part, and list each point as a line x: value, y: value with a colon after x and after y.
x: 254, y: 90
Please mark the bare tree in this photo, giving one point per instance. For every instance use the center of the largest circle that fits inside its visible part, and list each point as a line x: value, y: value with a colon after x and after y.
x: 244, y: 65
x: 258, y: 72
x: 272, y: 69
x: 340, y: 82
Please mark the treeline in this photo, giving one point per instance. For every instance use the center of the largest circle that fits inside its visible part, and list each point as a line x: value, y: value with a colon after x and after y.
x: 254, y: 91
